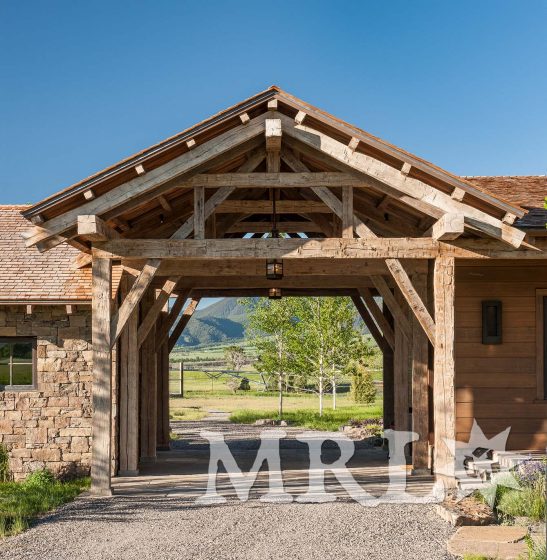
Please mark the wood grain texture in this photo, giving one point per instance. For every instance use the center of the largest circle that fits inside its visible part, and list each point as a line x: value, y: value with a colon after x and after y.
x: 102, y: 378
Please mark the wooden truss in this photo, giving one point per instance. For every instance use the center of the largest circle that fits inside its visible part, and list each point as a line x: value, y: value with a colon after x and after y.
x: 199, y: 215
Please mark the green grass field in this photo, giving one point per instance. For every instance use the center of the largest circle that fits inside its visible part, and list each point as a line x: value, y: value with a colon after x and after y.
x: 207, y: 391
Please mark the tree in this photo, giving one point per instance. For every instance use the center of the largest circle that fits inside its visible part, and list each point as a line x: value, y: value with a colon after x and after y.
x: 271, y: 328
x: 325, y: 339
x: 363, y: 389
x: 235, y: 357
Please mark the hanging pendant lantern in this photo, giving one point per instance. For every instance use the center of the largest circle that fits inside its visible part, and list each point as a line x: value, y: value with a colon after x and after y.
x: 274, y: 269
x: 274, y: 293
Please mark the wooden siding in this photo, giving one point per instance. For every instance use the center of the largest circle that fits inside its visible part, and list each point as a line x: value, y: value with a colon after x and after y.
x: 498, y: 384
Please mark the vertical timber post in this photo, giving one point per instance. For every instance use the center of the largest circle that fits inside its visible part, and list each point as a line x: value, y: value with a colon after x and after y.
x: 148, y: 384
x: 162, y: 368
x: 102, y: 377
x: 420, y: 383
x: 129, y: 391
x: 401, y: 372
x: 387, y: 363
x: 444, y: 375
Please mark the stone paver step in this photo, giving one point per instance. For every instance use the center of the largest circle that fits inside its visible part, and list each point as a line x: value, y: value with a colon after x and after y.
x: 500, y: 542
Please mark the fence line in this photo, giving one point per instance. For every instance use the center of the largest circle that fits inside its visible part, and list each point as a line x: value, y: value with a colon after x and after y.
x: 218, y: 373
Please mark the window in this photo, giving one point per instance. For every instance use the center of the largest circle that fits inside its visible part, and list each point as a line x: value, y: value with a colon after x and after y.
x: 17, y: 359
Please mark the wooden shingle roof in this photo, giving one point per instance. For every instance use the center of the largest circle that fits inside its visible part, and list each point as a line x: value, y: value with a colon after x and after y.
x: 28, y: 275
x: 528, y: 191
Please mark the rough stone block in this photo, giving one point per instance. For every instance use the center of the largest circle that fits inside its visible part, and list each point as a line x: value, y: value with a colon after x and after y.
x: 79, y: 445
x: 46, y: 455
x: 36, y: 436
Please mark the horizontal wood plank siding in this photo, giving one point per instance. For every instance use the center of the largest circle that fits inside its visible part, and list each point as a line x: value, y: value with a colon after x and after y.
x: 497, y: 384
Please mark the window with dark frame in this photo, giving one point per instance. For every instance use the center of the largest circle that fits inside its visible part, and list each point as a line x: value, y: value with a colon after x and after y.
x: 17, y: 362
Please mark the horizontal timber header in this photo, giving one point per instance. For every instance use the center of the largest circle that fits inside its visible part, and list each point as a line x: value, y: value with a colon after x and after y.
x: 330, y: 248
x: 274, y: 180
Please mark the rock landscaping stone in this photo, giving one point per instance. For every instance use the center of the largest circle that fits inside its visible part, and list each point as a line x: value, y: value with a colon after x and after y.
x: 465, y: 512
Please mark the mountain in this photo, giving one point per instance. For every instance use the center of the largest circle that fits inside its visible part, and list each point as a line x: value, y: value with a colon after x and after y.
x: 222, y: 321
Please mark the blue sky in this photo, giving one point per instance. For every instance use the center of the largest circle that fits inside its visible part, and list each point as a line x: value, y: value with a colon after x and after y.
x: 84, y: 84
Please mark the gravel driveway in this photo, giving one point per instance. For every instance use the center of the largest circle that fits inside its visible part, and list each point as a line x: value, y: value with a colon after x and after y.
x: 161, y: 528
x: 155, y: 516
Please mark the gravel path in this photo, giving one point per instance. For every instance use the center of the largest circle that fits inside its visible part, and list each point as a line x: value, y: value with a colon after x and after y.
x: 163, y: 528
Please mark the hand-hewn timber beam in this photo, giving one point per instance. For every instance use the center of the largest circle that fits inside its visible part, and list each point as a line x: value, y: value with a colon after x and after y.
x: 151, y: 317
x: 447, y: 228
x: 163, y: 333
x: 181, y: 325
x: 347, y: 212
x: 102, y: 377
x: 265, y: 207
x: 265, y: 227
x: 152, y: 265
x: 394, y: 266
x: 326, y: 195
x: 93, y: 228
x: 411, y: 248
x: 420, y: 384
x: 444, y: 411
x: 369, y: 322
x: 189, y: 162
x: 502, y: 231
x: 133, y: 298
x: 273, y: 145
x: 412, y: 297
x: 392, y: 181
x: 378, y: 316
x: 199, y: 212
x: 270, y: 180
x: 219, y: 196
x: 393, y: 306
x: 341, y: 281
x: 335, y: 248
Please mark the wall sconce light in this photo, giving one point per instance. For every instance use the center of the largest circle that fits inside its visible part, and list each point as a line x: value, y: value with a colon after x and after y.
x: 491, y: 322
x: 274, y: 293
x: 274, y: 269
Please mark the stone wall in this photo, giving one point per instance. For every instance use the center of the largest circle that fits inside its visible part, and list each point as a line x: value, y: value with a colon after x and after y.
x: 50, y: 426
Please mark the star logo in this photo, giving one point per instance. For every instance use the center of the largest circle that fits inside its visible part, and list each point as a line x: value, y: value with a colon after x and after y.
x: 475, y: 451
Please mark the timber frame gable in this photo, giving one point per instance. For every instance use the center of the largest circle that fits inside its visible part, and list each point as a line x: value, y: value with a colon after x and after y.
x: 200, y: 214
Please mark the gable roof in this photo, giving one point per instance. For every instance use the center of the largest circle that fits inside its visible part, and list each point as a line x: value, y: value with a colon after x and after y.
x: 165, y: 151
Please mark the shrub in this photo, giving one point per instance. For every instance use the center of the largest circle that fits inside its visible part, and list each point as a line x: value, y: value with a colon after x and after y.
x: 233, y: 384
x: 372, y: 427
x: 5, y: 474
x: 41, y: 479
x: 362, y: 384
x: 528, y: 472
x: 527, y: 502
x: 536, y: 551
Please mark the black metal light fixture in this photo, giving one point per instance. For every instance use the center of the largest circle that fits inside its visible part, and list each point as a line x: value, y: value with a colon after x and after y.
x: 274, y: 269
x: 491, y: 322
x: 274, y: 293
